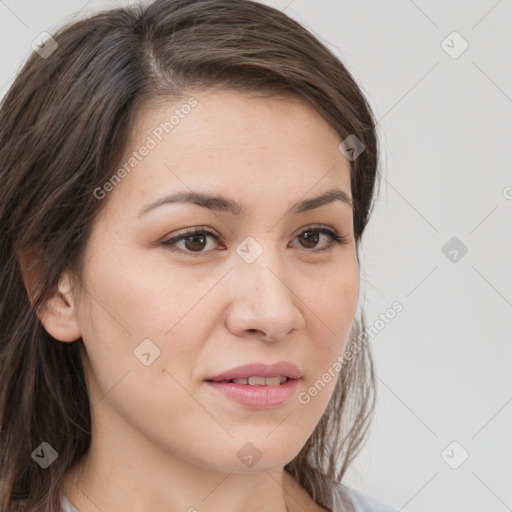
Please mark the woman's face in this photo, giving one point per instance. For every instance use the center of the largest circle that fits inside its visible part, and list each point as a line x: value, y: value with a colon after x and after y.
x: 158, y: 319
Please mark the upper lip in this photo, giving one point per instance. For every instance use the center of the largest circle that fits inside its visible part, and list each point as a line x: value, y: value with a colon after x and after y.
x: 261, y: 370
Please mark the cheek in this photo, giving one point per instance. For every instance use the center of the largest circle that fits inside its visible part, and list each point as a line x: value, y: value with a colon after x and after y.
x: 331, y: 307
x: 140, y: 295
x: 139, y: 312
x: 330, y: 318
x: 135, y: 367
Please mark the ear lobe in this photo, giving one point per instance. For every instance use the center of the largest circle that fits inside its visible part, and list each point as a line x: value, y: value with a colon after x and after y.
x: 60, y: 318
x: 59, y: 314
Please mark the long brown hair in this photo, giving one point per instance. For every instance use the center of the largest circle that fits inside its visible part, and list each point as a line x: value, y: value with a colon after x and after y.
x: 64, y: 126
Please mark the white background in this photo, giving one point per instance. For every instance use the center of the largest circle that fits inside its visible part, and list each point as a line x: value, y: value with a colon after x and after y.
x: 445, y: 125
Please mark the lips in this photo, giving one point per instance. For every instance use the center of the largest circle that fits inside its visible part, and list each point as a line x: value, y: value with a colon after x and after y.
x: 258, y: 392
x: 281, y: 369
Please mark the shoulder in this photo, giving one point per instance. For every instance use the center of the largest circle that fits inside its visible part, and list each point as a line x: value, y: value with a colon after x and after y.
x: 360, y: 501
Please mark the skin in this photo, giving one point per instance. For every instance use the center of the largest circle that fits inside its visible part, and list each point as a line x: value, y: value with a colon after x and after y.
x: 161, y: 438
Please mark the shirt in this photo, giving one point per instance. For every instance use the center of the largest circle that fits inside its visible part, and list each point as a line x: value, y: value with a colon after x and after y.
x: 362, y: 502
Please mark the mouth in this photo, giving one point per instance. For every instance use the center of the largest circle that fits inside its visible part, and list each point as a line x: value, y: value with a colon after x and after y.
x: 258, y: 385
x: 257, y: 392
x: 256, y: 381
x: 259, y: 374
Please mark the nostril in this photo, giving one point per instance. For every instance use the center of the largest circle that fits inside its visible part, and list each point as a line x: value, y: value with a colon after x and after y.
x: 256, y: 331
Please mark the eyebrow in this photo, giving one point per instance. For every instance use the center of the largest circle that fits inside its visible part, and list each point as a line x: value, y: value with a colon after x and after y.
x: 223, y: 204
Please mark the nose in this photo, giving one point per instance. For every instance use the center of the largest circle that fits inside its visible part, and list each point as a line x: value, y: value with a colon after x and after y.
x: 263, y: 302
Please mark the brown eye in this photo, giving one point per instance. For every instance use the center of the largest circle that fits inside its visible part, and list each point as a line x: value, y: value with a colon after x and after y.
x: 310, y: 237
x: 193, y: 242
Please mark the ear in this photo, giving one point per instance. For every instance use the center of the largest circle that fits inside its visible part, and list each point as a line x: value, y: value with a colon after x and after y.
x: 59, y: 314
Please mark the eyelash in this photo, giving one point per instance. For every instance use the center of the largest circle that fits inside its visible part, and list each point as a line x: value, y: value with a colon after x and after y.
x: 335, y: 239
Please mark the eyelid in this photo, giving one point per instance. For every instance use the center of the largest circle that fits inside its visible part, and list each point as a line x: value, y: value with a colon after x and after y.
x: 192, y: 231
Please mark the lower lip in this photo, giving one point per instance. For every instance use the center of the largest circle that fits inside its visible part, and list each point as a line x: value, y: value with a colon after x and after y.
x: 257, y: 397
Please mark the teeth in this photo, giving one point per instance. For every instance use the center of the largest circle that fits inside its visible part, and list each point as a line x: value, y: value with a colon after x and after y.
x: 261, y: 381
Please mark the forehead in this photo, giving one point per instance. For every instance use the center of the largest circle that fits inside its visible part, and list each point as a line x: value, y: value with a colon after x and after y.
x: 255, y: 145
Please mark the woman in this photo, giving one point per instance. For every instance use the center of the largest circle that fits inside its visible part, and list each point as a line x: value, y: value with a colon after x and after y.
x: 184, y: 190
